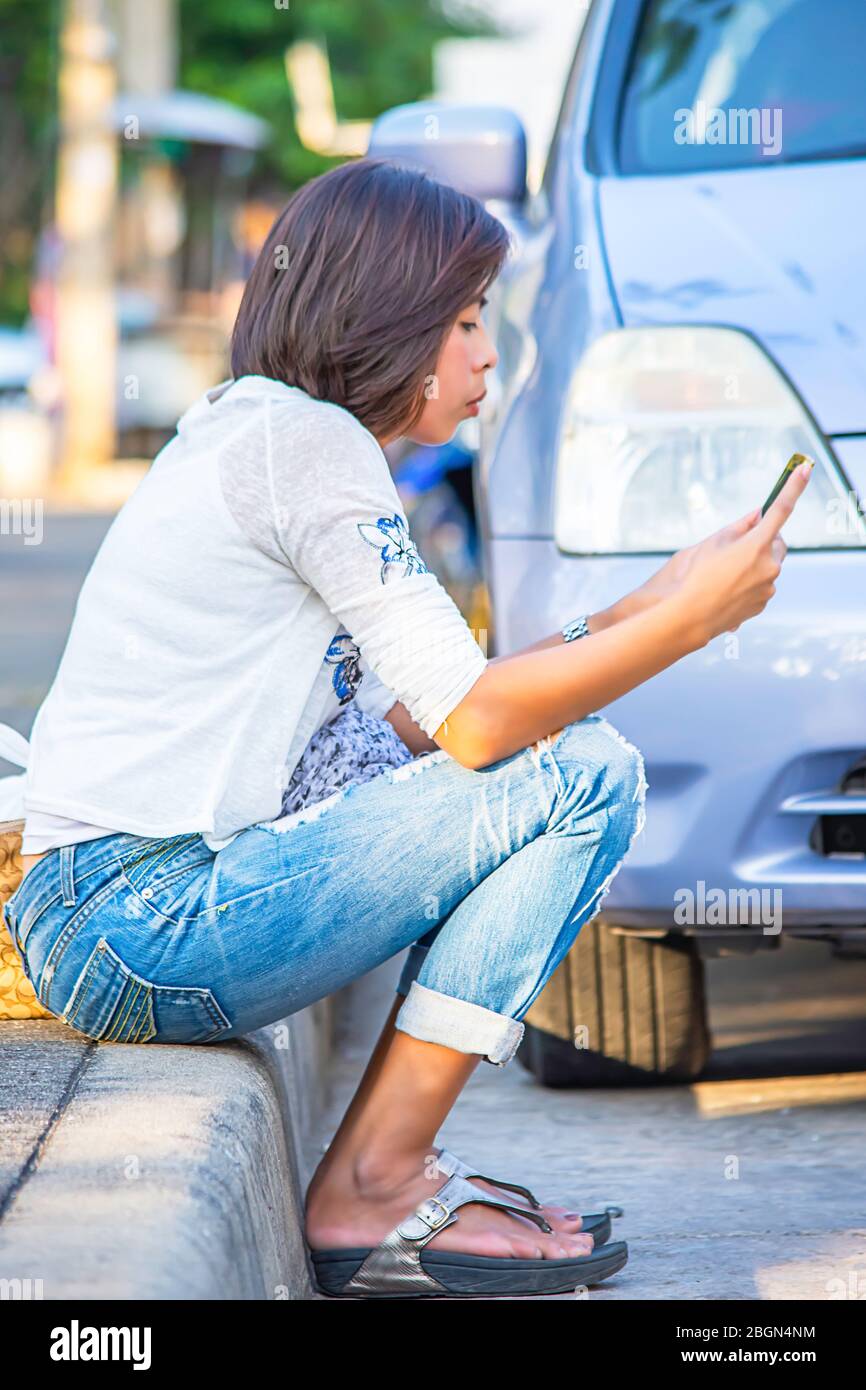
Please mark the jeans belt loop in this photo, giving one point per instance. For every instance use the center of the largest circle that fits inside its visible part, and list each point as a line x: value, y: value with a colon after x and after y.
x: 67, y: 877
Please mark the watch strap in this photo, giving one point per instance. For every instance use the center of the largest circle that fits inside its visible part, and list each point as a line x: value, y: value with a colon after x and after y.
x: 577, y: 628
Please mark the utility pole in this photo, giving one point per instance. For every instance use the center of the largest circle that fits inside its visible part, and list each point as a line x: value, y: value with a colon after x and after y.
x: 86, y: 197
x: 152, y: 206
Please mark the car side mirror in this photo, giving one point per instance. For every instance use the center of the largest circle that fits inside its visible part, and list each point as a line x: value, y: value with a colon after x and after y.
x: 481, y: 150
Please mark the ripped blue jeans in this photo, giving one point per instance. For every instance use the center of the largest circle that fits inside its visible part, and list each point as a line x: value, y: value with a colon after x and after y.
x: 487, y: 875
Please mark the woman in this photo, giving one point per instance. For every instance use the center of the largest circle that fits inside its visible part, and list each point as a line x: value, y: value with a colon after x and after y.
x: 262, y: 576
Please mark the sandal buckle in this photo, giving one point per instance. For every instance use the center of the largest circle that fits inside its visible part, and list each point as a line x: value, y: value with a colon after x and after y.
x: 432, y: 1220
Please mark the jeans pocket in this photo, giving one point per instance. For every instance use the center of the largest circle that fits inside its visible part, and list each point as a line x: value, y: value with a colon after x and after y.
x: 111, y: 1003
x: 166, y: 879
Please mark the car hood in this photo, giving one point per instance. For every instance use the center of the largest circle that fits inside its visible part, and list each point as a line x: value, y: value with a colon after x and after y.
x: 778, y: 251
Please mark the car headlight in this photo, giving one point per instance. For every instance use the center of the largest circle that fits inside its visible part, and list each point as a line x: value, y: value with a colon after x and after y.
x: 670, y: 433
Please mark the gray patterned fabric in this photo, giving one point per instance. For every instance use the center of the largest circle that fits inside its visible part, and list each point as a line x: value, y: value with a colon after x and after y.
x: 353, y: 747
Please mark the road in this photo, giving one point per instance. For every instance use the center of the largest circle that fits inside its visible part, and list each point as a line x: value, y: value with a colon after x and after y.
x: 39, y: 584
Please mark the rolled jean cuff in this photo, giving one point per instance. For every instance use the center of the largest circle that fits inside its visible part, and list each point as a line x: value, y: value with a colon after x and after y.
x: 451, y: 1022
x: 412, y: 964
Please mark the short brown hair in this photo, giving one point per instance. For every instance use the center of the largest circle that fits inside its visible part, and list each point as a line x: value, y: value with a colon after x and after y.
x: 360, y: 279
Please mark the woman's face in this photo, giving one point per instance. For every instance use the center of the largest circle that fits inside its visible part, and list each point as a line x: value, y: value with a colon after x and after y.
x: 466, y: 355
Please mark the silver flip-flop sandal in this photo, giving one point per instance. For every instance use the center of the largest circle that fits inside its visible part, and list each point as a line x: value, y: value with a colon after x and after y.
x: 595, y: 1224
x: 402, y: 1267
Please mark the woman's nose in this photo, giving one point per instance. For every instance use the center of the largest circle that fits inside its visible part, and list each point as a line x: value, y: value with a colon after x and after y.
x: 492, y: 354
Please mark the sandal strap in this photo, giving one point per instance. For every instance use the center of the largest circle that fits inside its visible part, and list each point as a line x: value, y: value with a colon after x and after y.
x: 512, y: 1187
x: 448, y: 1162
x: 431, y: 1214
x: 394, y: 1266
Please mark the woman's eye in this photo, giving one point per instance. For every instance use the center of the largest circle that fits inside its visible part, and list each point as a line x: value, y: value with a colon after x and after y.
x: 468, y: 324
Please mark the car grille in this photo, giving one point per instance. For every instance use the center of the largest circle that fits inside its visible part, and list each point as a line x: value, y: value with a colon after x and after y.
x: 840, y: 831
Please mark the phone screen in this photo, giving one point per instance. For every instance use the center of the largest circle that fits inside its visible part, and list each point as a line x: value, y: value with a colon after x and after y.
x: 793, y: 462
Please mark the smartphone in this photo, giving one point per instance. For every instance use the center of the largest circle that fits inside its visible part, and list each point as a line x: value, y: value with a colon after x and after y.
x: 793, y: 462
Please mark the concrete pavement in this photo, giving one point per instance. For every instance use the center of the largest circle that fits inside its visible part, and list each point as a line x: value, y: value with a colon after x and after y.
x: 156, y: 1172
x: 750, y: 1183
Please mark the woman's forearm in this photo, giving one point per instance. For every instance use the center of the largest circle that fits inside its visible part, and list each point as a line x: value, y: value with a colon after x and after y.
x: 706, y: 589
x: 635, y: 602
x: 526, y: 696
x: 418, y: 742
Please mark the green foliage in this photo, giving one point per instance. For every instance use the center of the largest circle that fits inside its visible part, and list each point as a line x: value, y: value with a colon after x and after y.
x: 28, y: 133
x: 380, y: 53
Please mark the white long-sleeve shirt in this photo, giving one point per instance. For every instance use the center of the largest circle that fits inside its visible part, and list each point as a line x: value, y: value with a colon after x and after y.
x: 261, y: 574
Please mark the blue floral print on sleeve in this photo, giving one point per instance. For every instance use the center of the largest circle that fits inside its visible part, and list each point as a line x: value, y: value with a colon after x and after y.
x: 398, y: 552
x: 344, y: 655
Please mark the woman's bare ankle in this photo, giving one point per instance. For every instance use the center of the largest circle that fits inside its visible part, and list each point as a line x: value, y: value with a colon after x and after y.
x: 372, y: 1175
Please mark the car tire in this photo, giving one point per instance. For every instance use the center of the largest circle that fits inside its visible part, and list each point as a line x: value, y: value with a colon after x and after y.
x: 639, y: 1005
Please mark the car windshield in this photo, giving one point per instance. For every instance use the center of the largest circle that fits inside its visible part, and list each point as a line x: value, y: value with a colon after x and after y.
x: 717, y: 84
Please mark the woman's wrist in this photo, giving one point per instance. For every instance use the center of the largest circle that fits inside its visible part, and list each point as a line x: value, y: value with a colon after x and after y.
x: 639, y: 601
x: 626, y: 607
x: 694, y: 633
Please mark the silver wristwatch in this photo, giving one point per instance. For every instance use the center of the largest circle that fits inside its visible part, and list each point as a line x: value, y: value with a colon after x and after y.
x: 577, y: 628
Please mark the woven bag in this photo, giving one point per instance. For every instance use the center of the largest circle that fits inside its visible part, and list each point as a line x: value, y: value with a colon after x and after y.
x: 17, y: 995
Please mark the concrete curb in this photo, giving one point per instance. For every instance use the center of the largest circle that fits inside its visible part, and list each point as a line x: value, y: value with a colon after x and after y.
x: 160, y: 1172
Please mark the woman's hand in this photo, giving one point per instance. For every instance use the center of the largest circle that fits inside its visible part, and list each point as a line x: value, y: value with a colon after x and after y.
x: 669, y: 579
x: 674, y: 574
x: 731, y: 575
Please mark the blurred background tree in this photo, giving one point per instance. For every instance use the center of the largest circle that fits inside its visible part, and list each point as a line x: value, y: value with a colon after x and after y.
x: 380, y: 52
x: 28, y: 142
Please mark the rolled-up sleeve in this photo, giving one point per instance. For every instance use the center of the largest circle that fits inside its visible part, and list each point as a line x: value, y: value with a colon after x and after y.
x: 342, y: 527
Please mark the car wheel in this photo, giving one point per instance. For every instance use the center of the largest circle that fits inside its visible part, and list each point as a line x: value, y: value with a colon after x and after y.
x: 620, y: 1010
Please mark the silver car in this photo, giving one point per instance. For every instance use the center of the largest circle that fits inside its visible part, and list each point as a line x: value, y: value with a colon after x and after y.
x: 685, y: 308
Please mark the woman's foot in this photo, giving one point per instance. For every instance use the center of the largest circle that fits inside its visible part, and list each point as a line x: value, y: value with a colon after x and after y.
x: 358, y: 1204
x: 557, y: 1217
